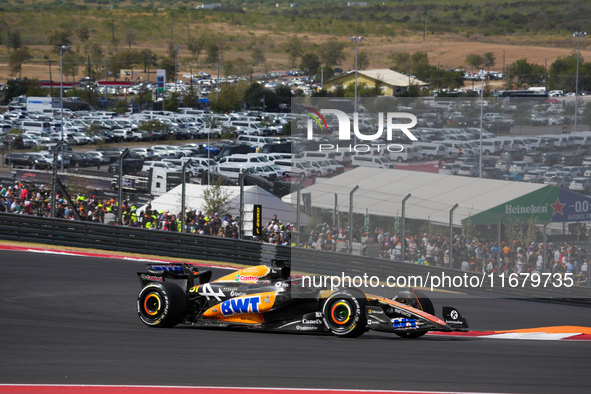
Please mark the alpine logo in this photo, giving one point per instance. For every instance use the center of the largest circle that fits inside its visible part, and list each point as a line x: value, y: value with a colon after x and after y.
x: 207, y: 291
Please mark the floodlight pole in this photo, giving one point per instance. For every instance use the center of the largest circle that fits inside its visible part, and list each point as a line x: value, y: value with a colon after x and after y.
x: 56, y: 151
x: 499, y: 220
x: 545, y: 248
x: 351, y: 219
x: 451, y: 234
x: 577, y: 34
x: 120, y: 184
x: 241, y: 225
x: 299, y: 197
x: 184, y: 191
x: 62, y: 48
x: 403, y: 246
x: 481, y: 124
x: 356, y: 40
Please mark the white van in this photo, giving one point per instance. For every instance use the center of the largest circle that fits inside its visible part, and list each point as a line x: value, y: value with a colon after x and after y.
x: 314, y: 155
x: 32, y: 125
x: 408, y: 153
x: 253, y: 140
x: 491, y: 146
x: 432, y: 150
x: 560, y: 141
x: 241, y: 158
x: 297, y: 168
x: 582, y: 139
x: 457, y: 147
x: 371, y: 161
x: 521, y: 167
x: 208, y: 164
x: 343, y: 157
x: 249, y: 127
x: 232, y: 171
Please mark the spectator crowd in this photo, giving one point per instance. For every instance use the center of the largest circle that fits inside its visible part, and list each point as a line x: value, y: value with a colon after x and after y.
x: 474, y: 255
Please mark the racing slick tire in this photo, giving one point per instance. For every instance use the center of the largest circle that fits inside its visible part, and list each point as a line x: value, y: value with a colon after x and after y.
x: 344, y: 313
x: 161, y: 304
x: 418, y: 300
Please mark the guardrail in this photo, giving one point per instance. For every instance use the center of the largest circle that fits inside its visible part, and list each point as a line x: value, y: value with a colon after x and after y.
x: 135, y: 240
x: 127, y: 239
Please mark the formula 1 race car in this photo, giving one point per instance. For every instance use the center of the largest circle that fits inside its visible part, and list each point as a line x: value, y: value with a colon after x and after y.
x: 268, y: 297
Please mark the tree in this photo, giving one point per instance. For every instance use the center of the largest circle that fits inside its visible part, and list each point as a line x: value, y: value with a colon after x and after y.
x: 523, y: 74
x: 72, y: 63
x: 239, y: 67
x: 83, y: 33
x: 213, y: 53
x: 362, y: 60
x: 167, y: 63
x: 489, y: 59
x: 402, y: 62
x: 94, y: 51
x: 171, y: 102
x: 148, y: 58
x: 16, y: 60
x: 310, y: 64
x: 151, y: 126
x: 196, y: 46
x: 475, y: 61
x: 120, y: 106
x: 228, y: 100
x: 143, y: 97
x: 332, y: 52
x: 59, y: 37
x: 216, y: 198
x: 258, y: 55
x: 16, y: 87
x: 14, y: 39
x: 130, y: 37
x: 563, y: 73
x: 294, y: 48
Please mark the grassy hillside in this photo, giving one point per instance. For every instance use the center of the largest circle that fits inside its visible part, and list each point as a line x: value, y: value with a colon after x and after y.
x: 242, y: 26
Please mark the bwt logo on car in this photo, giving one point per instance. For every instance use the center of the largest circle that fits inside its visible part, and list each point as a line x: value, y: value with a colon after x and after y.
x: 344, y: 133
x: 241, y: 305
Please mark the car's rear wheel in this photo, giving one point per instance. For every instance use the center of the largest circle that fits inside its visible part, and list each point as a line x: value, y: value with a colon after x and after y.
x: 344, y: 313
x: 161, y: 304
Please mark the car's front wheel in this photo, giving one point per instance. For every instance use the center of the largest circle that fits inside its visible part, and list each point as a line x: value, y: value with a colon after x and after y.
x: 161, y: 304
x: 344, y: 313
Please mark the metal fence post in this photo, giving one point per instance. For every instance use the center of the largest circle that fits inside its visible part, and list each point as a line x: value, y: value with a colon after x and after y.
x: 403, y: 245
x: 351, y: 219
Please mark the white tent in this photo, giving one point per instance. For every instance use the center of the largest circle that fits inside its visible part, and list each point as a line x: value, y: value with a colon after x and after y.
x: 381, y: 192
x: 171, y: 202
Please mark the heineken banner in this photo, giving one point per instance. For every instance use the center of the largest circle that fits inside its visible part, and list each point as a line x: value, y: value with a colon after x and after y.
x: 540, y: 206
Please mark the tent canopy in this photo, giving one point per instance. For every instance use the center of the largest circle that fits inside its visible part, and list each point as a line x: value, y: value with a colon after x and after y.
x: 171, y: 202
x: 381, y: 192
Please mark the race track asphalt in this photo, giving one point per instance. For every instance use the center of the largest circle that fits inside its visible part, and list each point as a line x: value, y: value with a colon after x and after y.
x: 72, y: 320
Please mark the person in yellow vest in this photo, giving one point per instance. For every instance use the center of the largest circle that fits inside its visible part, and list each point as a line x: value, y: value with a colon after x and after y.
x: 134, y: 218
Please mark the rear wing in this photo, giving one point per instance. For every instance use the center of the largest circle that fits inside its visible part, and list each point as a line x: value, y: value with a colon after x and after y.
x: 173, y: 271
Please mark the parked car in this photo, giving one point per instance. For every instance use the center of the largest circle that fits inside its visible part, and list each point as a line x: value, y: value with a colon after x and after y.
x: 580, y: 185
x: 513, y: 176
x: 491, y: 173
x: 504, y: 164
x: 449, y: 169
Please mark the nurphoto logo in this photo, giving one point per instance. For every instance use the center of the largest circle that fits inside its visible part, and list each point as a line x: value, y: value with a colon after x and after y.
x: 392, y: 121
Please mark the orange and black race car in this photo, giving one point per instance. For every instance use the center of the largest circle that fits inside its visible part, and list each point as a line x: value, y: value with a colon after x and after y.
x: 268, y: 297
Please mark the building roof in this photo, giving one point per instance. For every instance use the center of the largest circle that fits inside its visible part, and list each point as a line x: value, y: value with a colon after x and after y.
x: 389, y: 77
x: 381, y: 192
